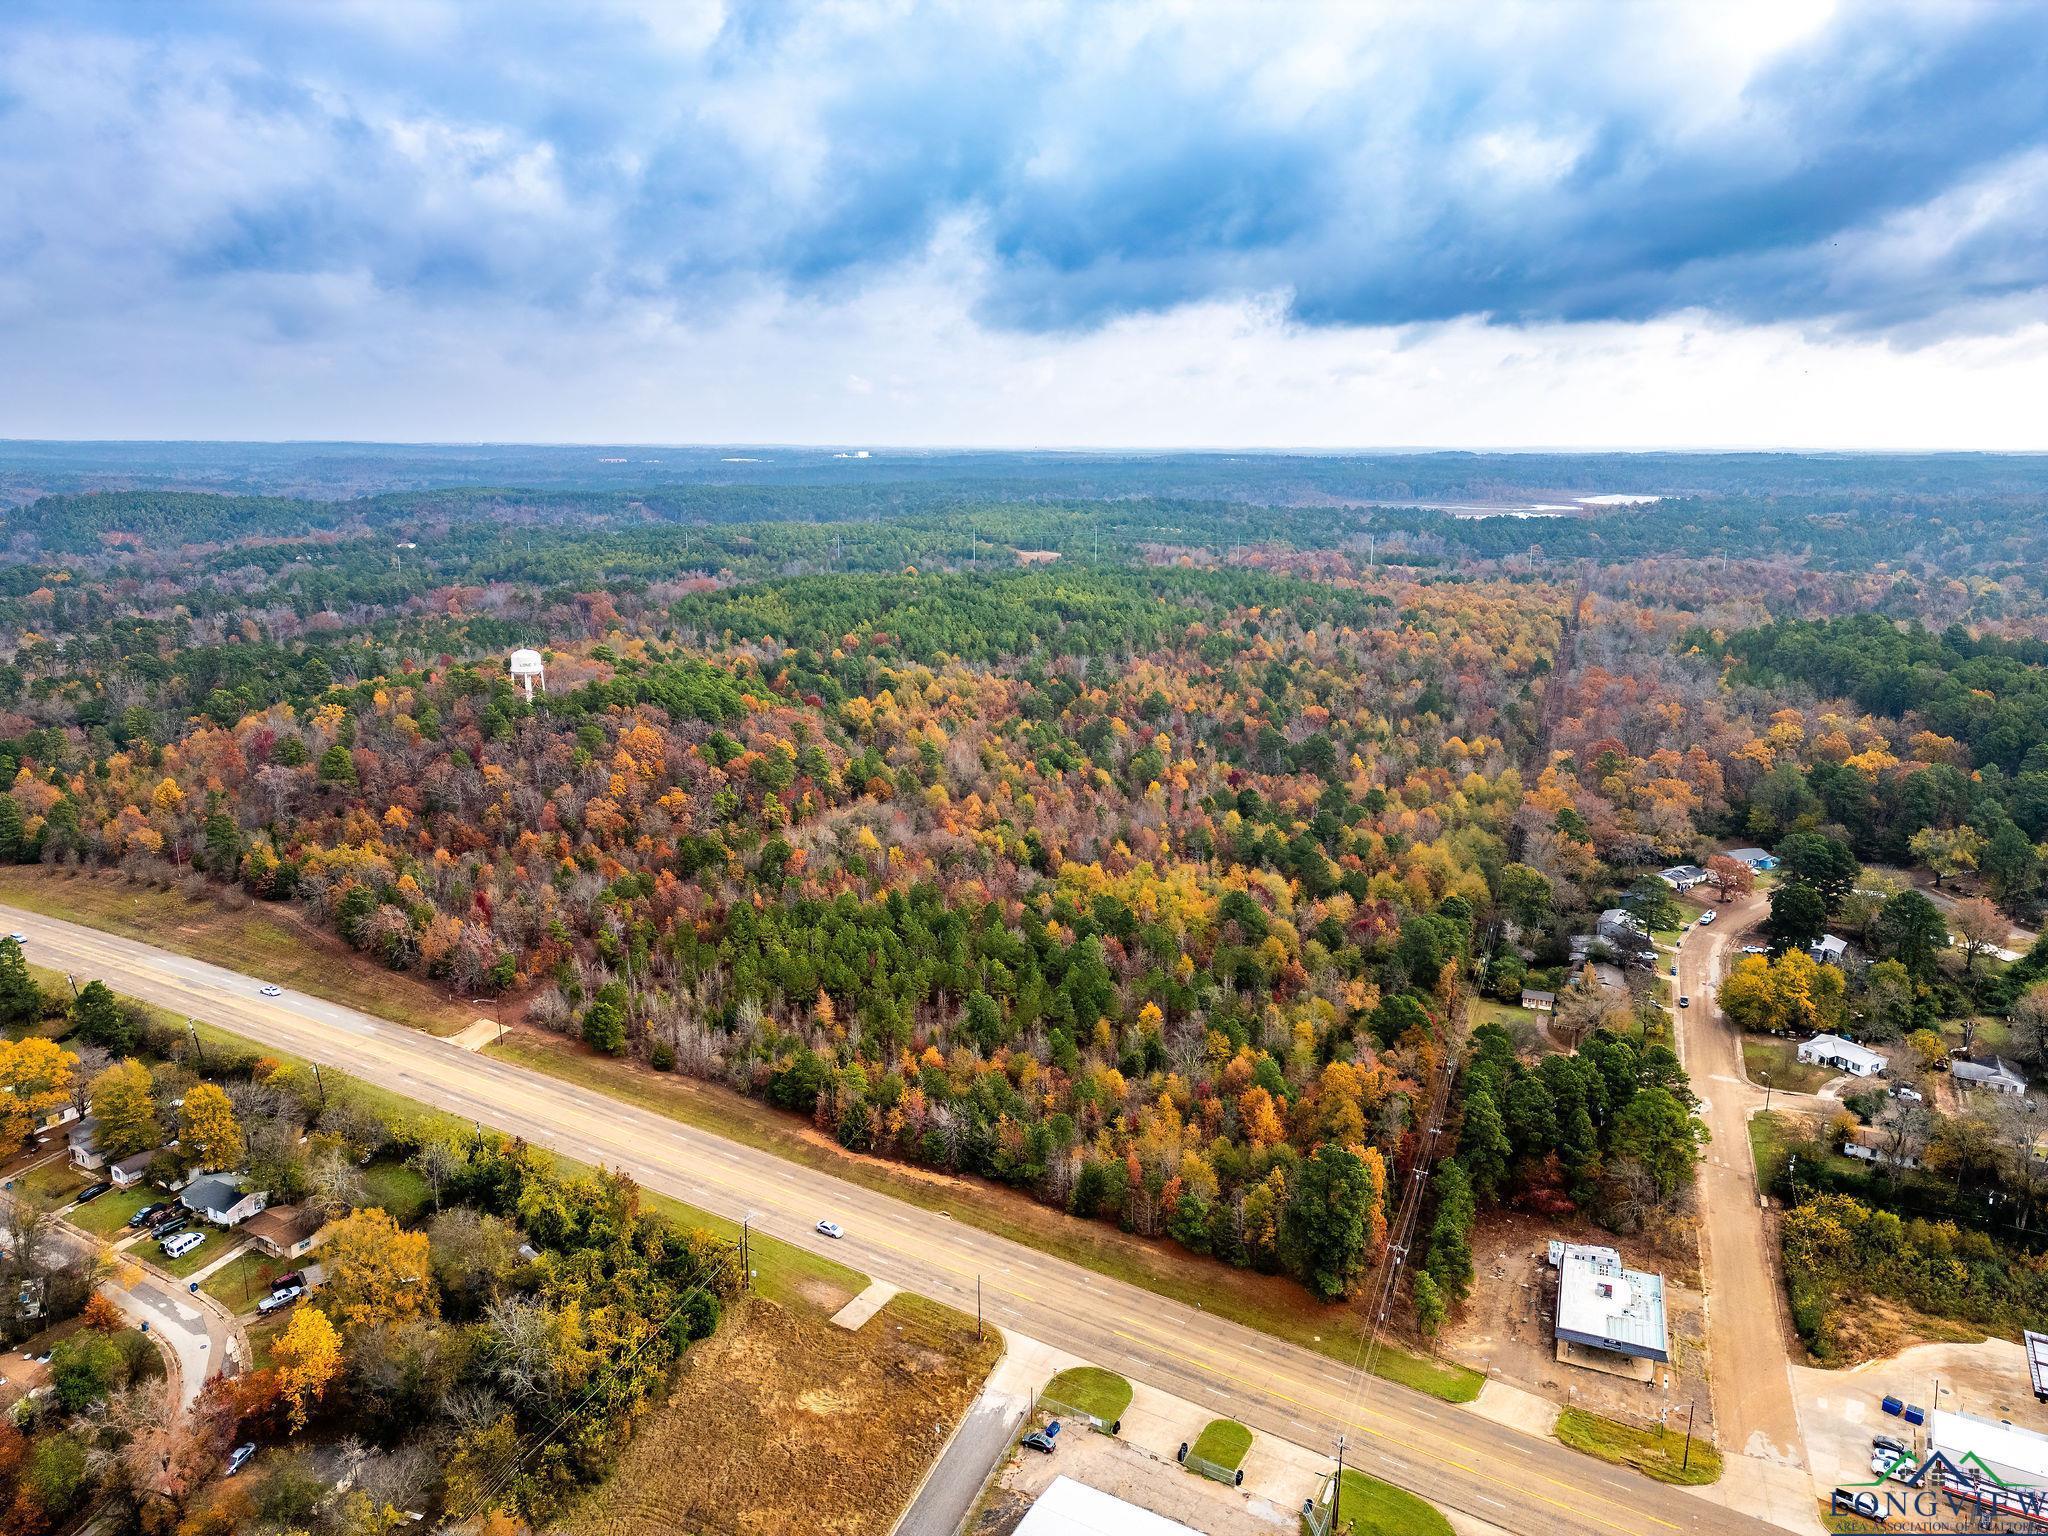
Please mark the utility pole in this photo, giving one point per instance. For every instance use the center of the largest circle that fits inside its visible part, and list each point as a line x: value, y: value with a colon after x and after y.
x: 977, y: 1309
x: 74, y: 985
x: 1767, y: 1093
x: 746, y: 1257
x: 1686, y: 1461
x: 192, y: 1029
x: 1337, y: 1497
x: 317, y: 1083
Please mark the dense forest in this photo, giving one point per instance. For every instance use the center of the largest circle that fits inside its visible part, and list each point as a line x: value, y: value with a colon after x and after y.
x: 1149, y: 852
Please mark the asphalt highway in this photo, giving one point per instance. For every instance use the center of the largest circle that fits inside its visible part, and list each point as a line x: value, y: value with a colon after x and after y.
x: 1451, y: 1456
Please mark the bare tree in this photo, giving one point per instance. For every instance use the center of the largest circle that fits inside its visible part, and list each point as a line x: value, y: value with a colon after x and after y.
x: 1905, y: 1129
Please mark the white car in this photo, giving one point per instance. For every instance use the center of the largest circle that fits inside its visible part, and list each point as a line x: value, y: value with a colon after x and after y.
x: 19, y: 938
x: 831, y: 1229
x: 272, y: 990
x: 1708, y: 916
x: 280, y: 1298
x: 239, y: 1459
x: 1754, y: 949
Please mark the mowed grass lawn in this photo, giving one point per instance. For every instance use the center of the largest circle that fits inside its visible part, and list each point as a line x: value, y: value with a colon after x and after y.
x: 248, y: 1279
x: 1780, y: 1058
x: 257, y: 941
x: 108, y: 1215
x: 1225, y: 1442
x: 1092, y: 1390
x: 1373, y: 1508
x: 1264, y: 1302
x: 54, y: 1183
x: 1658, y: 1453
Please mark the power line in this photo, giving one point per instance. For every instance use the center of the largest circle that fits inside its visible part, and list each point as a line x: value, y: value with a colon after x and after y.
x: 541, y: 1437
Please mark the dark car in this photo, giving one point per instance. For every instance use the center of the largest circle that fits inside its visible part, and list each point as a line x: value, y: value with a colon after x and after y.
x: 176, y: 1222
x: 1044, y: 1439
x: 146, y: 1215
x: 1685, y: 1002
x: 285, y: 1282
x: 91, y: 1192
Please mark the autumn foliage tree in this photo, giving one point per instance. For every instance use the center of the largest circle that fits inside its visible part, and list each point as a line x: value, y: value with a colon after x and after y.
x: 208, y: 1132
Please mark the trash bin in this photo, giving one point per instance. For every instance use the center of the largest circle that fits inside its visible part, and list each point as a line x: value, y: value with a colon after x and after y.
x: 1915, y: 1414
x: 1893, y: 1406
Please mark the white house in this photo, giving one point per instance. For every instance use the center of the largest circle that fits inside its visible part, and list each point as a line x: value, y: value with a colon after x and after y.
x: 1536, y: 1000
x: 1843, y: 1056
x: 1829, y: 950
x: 1870, y: 1145
x: 1682, y: 877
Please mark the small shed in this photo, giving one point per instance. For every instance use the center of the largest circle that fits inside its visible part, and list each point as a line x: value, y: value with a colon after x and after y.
x: 1537, y: 1001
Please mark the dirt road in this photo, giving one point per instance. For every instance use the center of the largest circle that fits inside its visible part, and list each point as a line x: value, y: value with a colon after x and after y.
x: 1748, y: 1333
x: 1452, y: 1457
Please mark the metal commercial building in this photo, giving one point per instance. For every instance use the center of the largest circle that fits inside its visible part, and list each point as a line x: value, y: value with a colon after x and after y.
x: 1603, y: 1305
x: 1068, y: 1508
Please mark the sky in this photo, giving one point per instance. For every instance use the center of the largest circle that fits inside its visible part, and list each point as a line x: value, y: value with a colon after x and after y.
x: 1775, y: 224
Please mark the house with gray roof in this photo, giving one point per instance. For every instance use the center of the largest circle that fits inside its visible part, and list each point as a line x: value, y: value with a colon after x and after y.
x: 220, y: 1199
x: 1994, y: 1076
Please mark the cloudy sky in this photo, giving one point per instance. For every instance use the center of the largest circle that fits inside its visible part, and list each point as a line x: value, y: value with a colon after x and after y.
x: 1720, y: 224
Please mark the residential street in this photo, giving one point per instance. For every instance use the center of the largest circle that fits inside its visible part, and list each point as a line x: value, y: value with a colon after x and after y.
x: 1749, y: 1333
x: 1450, y: 1455
x: 199, y: 1338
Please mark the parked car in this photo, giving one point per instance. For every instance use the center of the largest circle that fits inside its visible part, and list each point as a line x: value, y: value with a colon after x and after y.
x: 239, y: 1458
x: 91, y: 1192
x: 1685, y: 1002
x: 19, y: 938
x: 1753, y: 949
x: 1708, y: 916
x: 178, y: 1246
x: 831, y: 1229
x: 280, y: 1298
x: 173, y: 1220
x: 1046, y: 1439
x: 35, y: 1359
x: 1907, y: 1095
x: 272, y: 990
x: 146, y: 1215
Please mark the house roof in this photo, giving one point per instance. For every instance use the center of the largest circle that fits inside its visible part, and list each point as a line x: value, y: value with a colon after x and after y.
x: 1538, y: 994
x: 1830, y: 944
x: 83, y: 1132
x: 1609, y: 1306
x: 285, y: 1225
x: 1844, y: 1050
x: 135, y: 1162
x: 1750, y: 855
x: 216, y: 1192
x: 1992, y: 1071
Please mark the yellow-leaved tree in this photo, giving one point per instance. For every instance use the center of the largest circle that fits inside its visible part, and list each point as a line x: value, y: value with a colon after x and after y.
x: 122, y: 1104
x: 35, y: 1083
x: 377, y: 1272
x: 307, y: 1356
x: 207, y: 1130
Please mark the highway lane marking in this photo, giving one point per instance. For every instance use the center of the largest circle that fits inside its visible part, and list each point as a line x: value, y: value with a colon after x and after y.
x: 921, y: 1260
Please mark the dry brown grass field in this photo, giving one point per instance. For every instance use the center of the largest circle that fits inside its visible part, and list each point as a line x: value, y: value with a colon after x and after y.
x: 782, y: 1422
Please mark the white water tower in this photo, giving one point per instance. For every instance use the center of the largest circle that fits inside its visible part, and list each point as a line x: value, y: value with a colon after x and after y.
x: 526, y: 666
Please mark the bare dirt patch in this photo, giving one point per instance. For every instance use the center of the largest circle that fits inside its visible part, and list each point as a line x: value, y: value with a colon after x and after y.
x: 1507, y: 1325
x: 782, y: 1422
